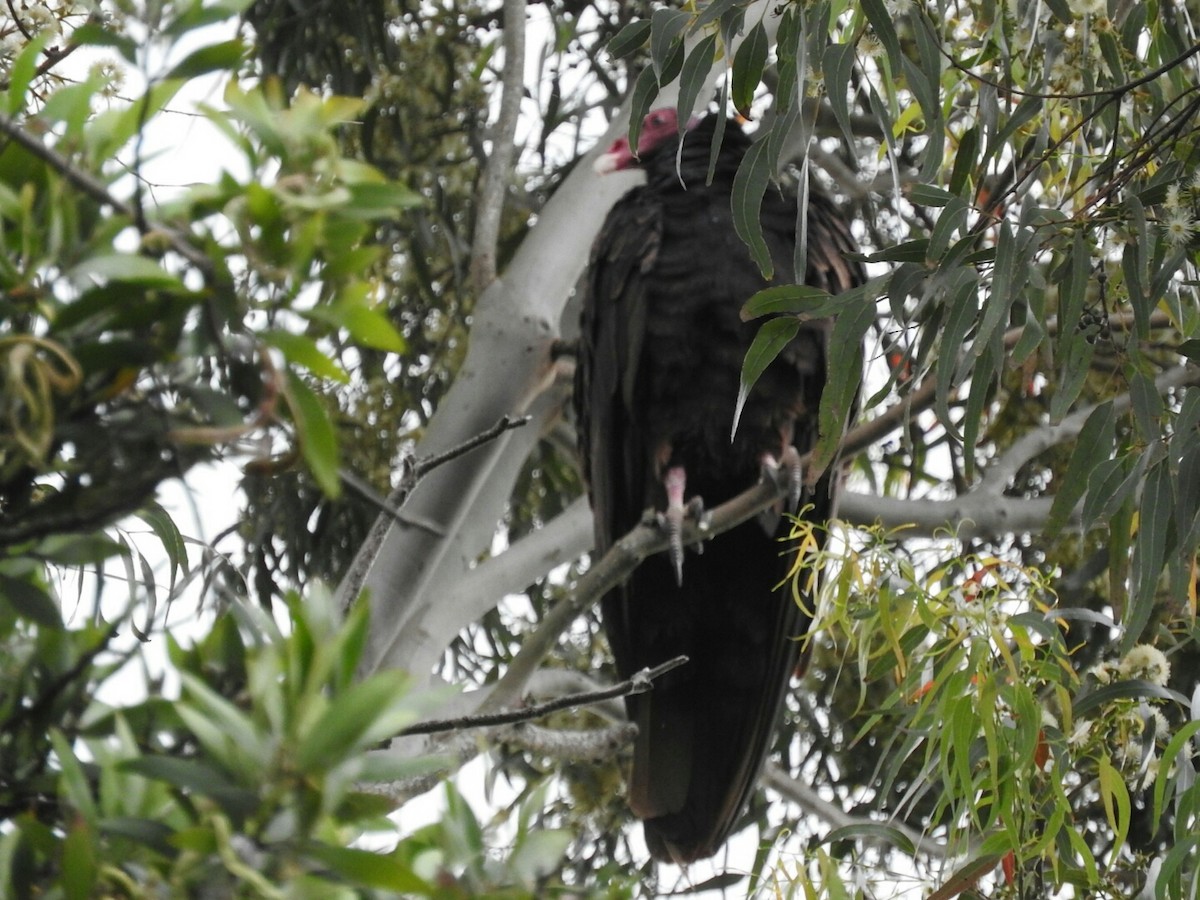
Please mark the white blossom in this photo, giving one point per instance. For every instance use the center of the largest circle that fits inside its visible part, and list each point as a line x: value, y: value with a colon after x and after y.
x: 1146, y: 661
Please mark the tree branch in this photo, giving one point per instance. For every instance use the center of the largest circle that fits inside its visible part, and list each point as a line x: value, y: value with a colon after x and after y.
x: 1029, y: 445
x: 814, y: 804
x: 640, y: 683
x: 499, y: 164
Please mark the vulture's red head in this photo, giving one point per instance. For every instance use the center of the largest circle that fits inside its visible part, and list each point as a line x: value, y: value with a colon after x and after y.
x: 659, y: 126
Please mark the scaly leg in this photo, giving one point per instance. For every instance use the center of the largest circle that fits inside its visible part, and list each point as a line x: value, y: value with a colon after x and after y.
x: 790, y: 460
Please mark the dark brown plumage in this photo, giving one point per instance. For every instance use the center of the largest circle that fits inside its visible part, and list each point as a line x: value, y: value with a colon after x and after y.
x: 661, y: 353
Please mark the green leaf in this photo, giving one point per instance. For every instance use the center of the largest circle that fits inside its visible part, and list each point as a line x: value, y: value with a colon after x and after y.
x: 216, y: 57
x: 169, y: 536
x: 964, y: 160
x: 1190, y: 349
x: 881, y: 21
x: 749, y: 186
x: 772, y: 337
x: 79, y: 861
x: 380, y: 200
x: 378, y: 870
x: 874, y: 833
x: 748, y: 65
x: 302, y: 350
x: 234, y: 725
x: 1115, y: 796
x: 952, y: 218
x: 197, y: 776
x: 126, y: 268
x: 1095, y: 445
x: 365, y: 323
x: 150, y: 832
x: 838, y: 65
x: 318, y: 442
x: 962, y: 307
x: 20, y: 74
x: 691, y: 81
x: 355, y: 715
x: 645, y: 89
x: 1133, y: 689
x: 1147, y: 406
x: 1149, y: 550
x: 93, y: 34
x: 795, y: 299
x: 1076, y: 358
x: 630, y: 38
x: 665, y: 27
x: 845, y: 376
x: 1170, y: 753
x: 915, y: 251
x: 30, y: 602
x: 930, y: 195
x: 75, y: 787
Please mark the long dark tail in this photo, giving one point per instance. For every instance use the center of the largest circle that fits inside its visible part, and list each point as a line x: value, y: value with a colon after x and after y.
x: 705, y: 728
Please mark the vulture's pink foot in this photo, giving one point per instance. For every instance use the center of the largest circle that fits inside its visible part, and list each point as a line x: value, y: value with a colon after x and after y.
x: 790, y: 460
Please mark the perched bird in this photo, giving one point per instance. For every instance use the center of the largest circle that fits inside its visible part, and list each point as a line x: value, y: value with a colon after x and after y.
x: 660, y: 358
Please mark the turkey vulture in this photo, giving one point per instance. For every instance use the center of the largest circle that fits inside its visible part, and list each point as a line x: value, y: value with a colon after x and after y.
x: 660, y: 358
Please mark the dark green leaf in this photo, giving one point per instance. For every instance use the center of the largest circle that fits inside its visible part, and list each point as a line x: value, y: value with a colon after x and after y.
x: 874, y: 833
x: 645, y: 89
x: 1190, y: 349
x: 150, y: 832
x: 915, y: 251
x: 30, y: 602
x: 1095, y: 445
x: 1147, y: 406
x: 796, y: 299
x: 964, y: 160
x: 1149, y: 550
x: 962, y: 305
x: 749, y: 186
x: 691, y: 81
x: 665, y: 28
x: 1076, y: 360
x: 929, y: 195
x: 630, y: 38
x: 952, y: 218
x: 845, y: 375
x: 79, y: 861
x: 1134, y: 689
x: 772, y: 337
x: 881, y: 21
x: 838, y: 66
x: 318, y: 442
x: 748, y: 65
x: 713, y: 11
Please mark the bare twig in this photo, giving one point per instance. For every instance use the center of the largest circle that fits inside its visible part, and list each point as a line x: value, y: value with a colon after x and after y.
x: 506, y: 423
x: 640, y: 683
x: 499, y: 164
